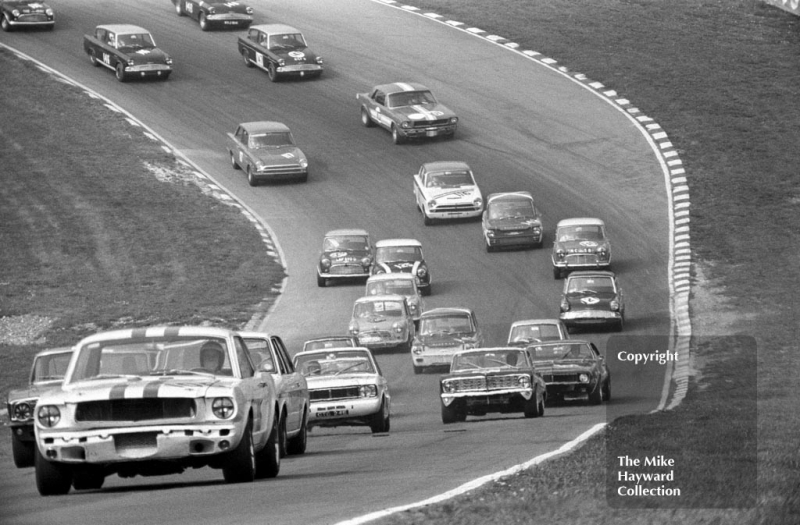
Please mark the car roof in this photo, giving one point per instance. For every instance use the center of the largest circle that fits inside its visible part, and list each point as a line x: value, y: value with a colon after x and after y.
x: 253, y: 334
x: 328, y: 350
x: 123, y: 29
x: 484, y: 349
x: 346, y: 231
x: 446, y: 165
x: 329, y: 338
x: 157, y: 331
x: 561, y: 343
x: 398, y: 87
x: 53, y: 351
x: 275, y: 29
x: 592, y: 273
x: 436, y: 312
x: 397, y: 242
x: 534, y: 322
x: 580, y: 221
x: 263, y: 126
x: 510, y: 196
x: 392, y: 277
x: 386, y: 297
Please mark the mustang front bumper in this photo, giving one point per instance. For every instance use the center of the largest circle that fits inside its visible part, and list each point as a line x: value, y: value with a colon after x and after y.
x: 112, y: 445
x: 341, y: 409
x: 428, y: 131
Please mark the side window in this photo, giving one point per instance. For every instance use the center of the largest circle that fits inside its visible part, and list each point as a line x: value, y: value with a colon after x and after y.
x: 283, y: 355
x: 380, y: 98
x: 475, y: 321
x: 238, y: 134
x: 595, y: 350
x: 244, y: 137
x: 243, y: 357
x: 111, y: 40
x: 100, y: 34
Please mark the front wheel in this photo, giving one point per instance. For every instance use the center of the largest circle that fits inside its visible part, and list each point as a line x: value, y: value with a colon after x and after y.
x: 52, y: 479
x: 23, y: 451
x: 251, y: 179
x: 91, y: 479
x: 241, y: 464
x: 5, y: 24
x: 596, y: 397
x: 321, y: 281
x: 272, y: 72
x: 556, y: 273
x: 204, y: 25
x: 234, y: 164
x: 453, y: 413
x: 534, y: 407
x: 380, y: 421
x: 397, y: 137
x: 366, y: 120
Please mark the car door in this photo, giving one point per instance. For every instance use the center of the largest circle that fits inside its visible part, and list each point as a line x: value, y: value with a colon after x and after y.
x: 294, y: 386
x: 242, y: 153
x: 378, y: 110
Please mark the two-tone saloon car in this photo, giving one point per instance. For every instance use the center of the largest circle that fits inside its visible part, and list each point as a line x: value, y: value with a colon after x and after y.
x: 580, y: 244
x: 47, y: 373
x: 25, y: 13
x: 447, y: 190
x: 383, y: 321
x: 266, y: 151
x: 127, y: 50
x: 269, y: 354
x: 216, y: 13
x: 403, y: 256
x: 572, y: 369
x: 154, y: 401
x: 280, y: 50
x: 523, y: 333
x: 442, y: 333
x: 346, y: 254
x: 404, y: 284
x: 408, y: 110
x: 495, y: 380
x: 346, y: 387
x: 512, y: 220
x: 591, y: 299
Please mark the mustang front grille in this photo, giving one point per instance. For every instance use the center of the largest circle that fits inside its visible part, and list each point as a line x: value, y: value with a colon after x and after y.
x: 331, y: 394
x: 561, y: 378
x: 136, y: 409
x: 429, y: 123
x: 281, y: 170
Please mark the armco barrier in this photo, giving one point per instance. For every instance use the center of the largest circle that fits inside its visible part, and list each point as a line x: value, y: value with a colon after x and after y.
x: 793, y: 6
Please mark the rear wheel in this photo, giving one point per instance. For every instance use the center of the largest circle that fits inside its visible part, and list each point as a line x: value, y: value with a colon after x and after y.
x: 52, y: 479
x: 179, y: 8
x: 204, y: 25
x: 380, y: 421
x: 246, y: 59
x: 241, y: 464
x: 234, y: 164
x: 282, y: 436
x: 22, y: 450
x: 297, y: 445
x: 268, y: 460
x: 366, y: 120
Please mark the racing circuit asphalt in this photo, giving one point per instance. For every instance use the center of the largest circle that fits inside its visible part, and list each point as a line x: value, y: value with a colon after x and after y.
x: 522, y: 127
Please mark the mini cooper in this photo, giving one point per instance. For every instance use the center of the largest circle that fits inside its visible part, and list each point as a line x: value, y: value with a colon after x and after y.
x: 592, y: 298
x: 47, y: 373
x: 266, y: 151
x: 403, y: 256
x: 127, y: 50
x: 447, y: 190
x: 572, y: 369
x: 512, y: 220
x: 442, y: 333
x: 269, y: 354
x: 346, y: 254
x: 331, y: 341
x: 280, y: 50
x: 25, y: 13
x: 403, y: 284
x: 407, y: 110
x: 346, y: 387
x: 216, y: 13
x: 523, y: 333
x: 155, y: 401
x: 383, y: 321
x: 580, y: 244
x: 498, y: 380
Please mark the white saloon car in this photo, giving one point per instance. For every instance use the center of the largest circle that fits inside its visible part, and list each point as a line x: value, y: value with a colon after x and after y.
x: 346, y: 388
x: 447, y: 190
x: 404, y: 284
x: 153, y: 401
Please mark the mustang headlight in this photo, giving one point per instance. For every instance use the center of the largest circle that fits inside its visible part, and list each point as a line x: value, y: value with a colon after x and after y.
x: 431, y: 203
x: 281, y: 62
x: 48, y: 415
x: 422, y: 271
x: 22, y: 411
x: 304, y: 163
x: 212, y: 10
x: 222, y: 407
x: 131, y: 62
x: 354, y: 329
x: 168, y: 61
x: 368, y: 391
x: 583, y: 378
x: 564, y: 305
x: 366, y: 261
x: 405, y: 125
x: 453, y: 120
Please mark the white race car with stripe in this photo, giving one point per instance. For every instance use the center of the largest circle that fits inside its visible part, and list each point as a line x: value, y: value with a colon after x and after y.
x: 447, y: 190
x: 408, y: 110
x: 151, y: 401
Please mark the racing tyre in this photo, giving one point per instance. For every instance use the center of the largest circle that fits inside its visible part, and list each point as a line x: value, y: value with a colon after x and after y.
x: 251, y: 179
x: 366, y: 119
x: 453, y: 414
x: 93, y: 58
x: 52, y: 479
x: 268, y: 460
x: 556, y: 273
x: 119, y: 72
x: 22, y: 451
x: 92, y: 479
x: 179, y: 8
x: 489, y: 248
x: 427, y: 221
x: 620, y: 325
x: 297, y: 445
x: 321, y: 281
x: 234, y: 164
x: 246, y: 60
x: 607, y: 391
x: 5, y: 25
x: 417, y: 369
x: 282, y: 436
x: 380, y: 421
x: 596, y: 397
x: 204, y: 25
x: 397, y: 137
x: 241, y: 464
x: 534, y: 407
x: 272, y: 72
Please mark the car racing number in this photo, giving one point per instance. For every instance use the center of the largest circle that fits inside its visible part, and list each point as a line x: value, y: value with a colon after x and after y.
x: 107, y: 58
x: 259, y: 59
x: 189, y: 7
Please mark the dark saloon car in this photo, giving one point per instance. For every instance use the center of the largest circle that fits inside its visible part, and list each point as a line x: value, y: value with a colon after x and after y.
x: 280, y: 50
x: 266, y: 151
x: 591, y: 299
x: 127, y: 50
x: 511, y: 220
x: 572, y: 369
x: 220, y: 14
x: 485, y: 380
